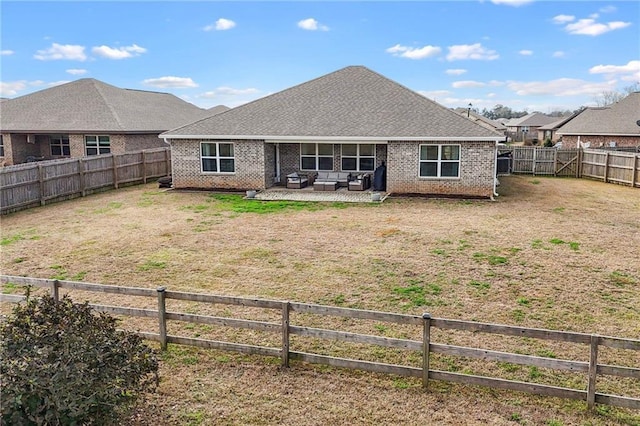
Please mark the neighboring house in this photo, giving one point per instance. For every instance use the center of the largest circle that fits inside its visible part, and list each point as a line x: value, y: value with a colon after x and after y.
x: 88, y: 117
x: 550, y: 131
x: 617, y: 125
x: 526, y: 128
x: 352, y: 120
x: 485, y: 122
x: 218, y: 109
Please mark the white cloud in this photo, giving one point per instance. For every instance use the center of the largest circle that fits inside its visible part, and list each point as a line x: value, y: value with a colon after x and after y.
x: 170, y: 82
x: 512, y: 2
x: 526, y: 52
x: 414, y: 52
x: 435, y: 94
x: 12, y: 88
x: 57, y: 83
x: 471, y: 51
x: 563, y: 19
x: 560, y: 87
x: 228, y: 91
x: 558, y: 54
x: 628, y: 72
x: 608, y: 9
x: 71, y: 52
x: 456, y: 71
x: 591, y: 27
x: 118, y: 52
x: 76, y: 71
x: 6, y: 52
x: 311, y: 24
x: 221, y: 24
x: 467, y: 84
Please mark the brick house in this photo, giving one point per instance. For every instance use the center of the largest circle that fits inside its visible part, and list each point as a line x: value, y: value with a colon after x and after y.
x: 614, y: 126
x: 87, y: 117
x: 351, y: 120
x: 526, y: 128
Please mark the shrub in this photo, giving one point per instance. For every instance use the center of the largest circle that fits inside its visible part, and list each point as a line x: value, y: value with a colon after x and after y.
x: 62, y: 364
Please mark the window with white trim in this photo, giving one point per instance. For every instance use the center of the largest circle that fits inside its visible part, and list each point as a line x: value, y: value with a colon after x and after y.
x: 97, y: 144
x: 316, y: 156
x: 440, y: 161
x: 217, y: 157
x: 59, y: 145
x: 358, y: 157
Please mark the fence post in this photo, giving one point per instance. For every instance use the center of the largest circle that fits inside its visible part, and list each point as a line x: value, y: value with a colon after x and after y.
x: 83, y: 185
x: 593, y: 371
x: 162, y: 319
x: 167, y: 160
x: 426, y: 339
x: 634, y: 173
x: 41, y: 182
x: 144, y: 167
x: 55, y: 294
x: 286, y: 307
x: 115, y: 171
x: 606, y: 166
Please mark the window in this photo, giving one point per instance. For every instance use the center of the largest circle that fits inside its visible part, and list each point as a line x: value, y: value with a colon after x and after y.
x: 217, y: 157
x: 59, y: 145
x: 440, y: 161
x: 358, y: 158
x: 1, y: 146
x: 316, y: 156
x: 96, y: 145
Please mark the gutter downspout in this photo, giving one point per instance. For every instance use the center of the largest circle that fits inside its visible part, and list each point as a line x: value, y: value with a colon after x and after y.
x: 277, y: 178
x: 495, y: 174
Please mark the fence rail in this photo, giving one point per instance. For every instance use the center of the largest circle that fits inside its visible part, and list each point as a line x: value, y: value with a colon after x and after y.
x: 34, y: 184
x: 620, y: 167
x: 426, y: 346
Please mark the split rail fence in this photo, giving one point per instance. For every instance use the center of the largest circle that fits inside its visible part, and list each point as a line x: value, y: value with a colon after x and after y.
x: 609, y: 166
x: 34, y: 184
x: 285, y: 328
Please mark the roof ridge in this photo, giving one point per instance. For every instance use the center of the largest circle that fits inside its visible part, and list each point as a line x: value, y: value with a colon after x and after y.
x: 107, y: 103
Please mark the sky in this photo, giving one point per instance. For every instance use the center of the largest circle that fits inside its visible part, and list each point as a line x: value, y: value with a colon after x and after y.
x: 525, y: 54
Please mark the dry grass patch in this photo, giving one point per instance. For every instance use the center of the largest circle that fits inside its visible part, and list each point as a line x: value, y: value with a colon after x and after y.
x: 557, y: 253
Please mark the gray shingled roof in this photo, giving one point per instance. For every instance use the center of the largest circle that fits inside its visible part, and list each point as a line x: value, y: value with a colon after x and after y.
x: 351, y: 102
x: 617, y: 119
x: 534, y: 119
x: 91, y: 105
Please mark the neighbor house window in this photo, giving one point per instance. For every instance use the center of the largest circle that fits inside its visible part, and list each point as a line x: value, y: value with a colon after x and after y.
x: 96, y: 145
x: 217, y: 157
x: 358, y: 158
x: 316, y: 156
x: 1, y: 146
x: 59, y: 145
x: 440, y: 161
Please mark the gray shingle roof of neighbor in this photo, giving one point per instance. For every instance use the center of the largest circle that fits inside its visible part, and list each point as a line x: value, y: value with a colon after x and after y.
x: 91, y: 105
x: 534, y: 119
x: 218, y: 109
x: 617, y: 119
x: 352, y: 102
x: 493, y: 124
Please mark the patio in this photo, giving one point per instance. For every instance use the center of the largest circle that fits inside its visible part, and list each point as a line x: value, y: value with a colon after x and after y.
x: 308, y: 194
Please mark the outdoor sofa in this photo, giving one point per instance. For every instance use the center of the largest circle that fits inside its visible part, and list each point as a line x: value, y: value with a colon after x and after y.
x: 342, y: 178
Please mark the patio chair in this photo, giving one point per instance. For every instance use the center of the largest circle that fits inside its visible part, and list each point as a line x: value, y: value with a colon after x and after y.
x: 296, y: 181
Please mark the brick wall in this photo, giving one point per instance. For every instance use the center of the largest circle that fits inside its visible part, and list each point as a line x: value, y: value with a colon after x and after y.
x: 569, y: 141
x: 249, y: 166
x: 142, y: 142
x: 477, y: 168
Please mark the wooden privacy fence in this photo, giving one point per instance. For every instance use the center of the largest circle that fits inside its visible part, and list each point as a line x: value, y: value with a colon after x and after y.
x: 609, y: 166
x: 32, y: 184
x: 426, y: 346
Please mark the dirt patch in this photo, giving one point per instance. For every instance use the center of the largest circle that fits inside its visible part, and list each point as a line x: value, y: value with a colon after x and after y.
x: 549, y: 253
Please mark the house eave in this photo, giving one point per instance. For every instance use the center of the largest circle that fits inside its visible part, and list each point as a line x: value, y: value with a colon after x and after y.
x: 597, y: 134
x: 333, y: 139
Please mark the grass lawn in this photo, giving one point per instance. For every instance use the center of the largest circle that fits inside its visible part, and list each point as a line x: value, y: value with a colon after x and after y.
x: 549, y: 253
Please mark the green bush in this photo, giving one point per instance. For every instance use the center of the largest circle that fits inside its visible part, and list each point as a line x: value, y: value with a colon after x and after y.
x: 63, y: 364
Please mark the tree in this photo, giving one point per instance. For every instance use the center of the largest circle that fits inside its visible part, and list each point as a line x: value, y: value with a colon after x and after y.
x: 61, y: 364
x: 610, y: 97
x: 501, y: 111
